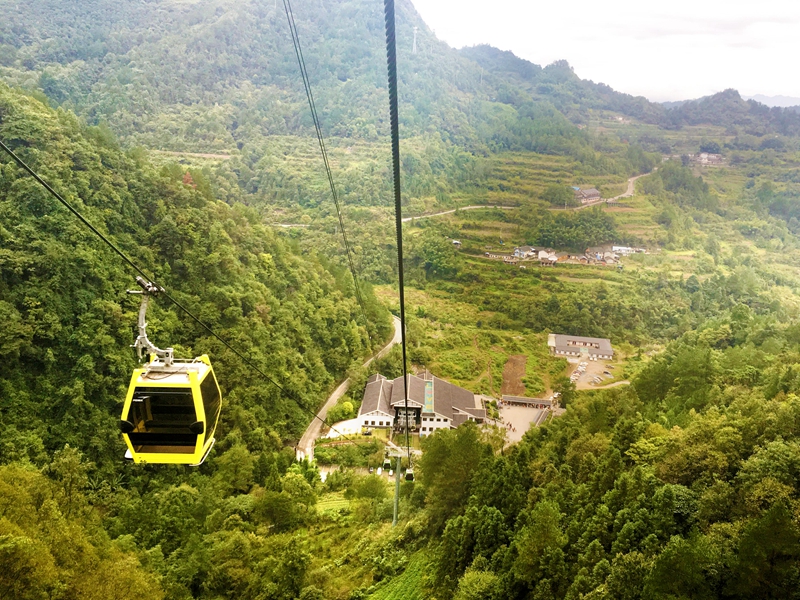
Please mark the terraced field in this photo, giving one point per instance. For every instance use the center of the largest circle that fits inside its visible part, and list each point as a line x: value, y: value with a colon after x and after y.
x: 332, y: 503
x: 520, y: 178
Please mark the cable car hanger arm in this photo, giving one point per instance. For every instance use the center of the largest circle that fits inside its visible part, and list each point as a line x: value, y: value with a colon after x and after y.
x: 143, y: 344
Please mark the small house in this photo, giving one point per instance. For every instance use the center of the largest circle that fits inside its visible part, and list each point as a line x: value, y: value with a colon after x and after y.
x: 524, y: 251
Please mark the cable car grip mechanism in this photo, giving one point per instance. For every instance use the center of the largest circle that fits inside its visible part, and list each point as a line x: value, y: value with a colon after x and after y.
x: 143, y: 344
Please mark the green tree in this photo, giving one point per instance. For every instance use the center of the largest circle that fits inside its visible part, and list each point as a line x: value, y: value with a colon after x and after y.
x: 559, y: 195
x: 449, y: 459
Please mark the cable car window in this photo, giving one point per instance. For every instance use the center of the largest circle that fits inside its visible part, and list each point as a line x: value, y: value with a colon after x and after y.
x: 211, y: 401
x: 161, y: 419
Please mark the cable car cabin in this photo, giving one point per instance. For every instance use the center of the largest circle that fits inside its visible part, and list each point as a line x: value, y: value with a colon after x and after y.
x: 171, y: 412
x: 409, y: 474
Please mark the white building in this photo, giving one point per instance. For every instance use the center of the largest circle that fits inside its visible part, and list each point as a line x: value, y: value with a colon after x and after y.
x: 524, y: 251
x: 375, y: 410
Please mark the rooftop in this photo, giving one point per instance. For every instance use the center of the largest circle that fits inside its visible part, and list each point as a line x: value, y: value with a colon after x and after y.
x: 570, y: 342
x: 442, y: 398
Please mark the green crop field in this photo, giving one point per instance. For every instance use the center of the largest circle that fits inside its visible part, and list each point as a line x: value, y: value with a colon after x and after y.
x: 332, y: 503
x: 407, y: 586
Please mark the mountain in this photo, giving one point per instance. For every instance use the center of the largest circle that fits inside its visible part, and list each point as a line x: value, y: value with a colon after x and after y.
x: 214, y: 76
x: 685, y: 483
x: 557, y: 83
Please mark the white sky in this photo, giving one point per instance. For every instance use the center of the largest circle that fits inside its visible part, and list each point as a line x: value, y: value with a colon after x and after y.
x: 665, y: 50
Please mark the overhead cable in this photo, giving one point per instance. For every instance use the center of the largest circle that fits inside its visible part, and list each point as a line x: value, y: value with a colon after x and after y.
x: 391, y: 60
x: 287, y: 5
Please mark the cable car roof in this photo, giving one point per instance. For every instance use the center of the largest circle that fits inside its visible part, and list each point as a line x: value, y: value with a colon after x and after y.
x: 157, y: 373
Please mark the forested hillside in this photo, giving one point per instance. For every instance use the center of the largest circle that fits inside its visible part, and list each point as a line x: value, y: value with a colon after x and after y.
x: 220, y: 76
x: 65, y: 342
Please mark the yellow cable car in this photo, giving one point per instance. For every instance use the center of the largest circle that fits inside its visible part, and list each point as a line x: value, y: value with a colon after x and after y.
x: 171, y: 412
x: 172, y: 406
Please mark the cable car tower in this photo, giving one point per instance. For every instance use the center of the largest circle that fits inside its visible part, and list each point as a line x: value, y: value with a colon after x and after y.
x: 172, y: 406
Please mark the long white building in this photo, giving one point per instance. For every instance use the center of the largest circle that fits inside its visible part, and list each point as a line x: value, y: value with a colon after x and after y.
x: 576, y: 345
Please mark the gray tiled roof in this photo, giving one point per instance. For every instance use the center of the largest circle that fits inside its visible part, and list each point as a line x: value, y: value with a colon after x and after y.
x: 566, y: 343
x: 449, y: 401
x: 376, y: 395
x: 449, y: 398
x: 521, y: 400
x: 416, y: 391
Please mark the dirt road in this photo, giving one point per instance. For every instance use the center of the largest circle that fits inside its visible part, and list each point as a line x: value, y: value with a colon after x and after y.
x: 447, y: 212
x: 628, y: 193
x: 194, y: 154
x: 513, y: 372
x: 305, y: 447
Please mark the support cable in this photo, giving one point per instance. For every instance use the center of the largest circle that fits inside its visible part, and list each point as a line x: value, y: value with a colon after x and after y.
x: 287, y: 5
x: 139, y: 270
x: 391, y: 60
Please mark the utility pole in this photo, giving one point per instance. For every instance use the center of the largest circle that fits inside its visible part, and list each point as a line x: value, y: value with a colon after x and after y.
x: 396, y: 490
x: 414, y: 47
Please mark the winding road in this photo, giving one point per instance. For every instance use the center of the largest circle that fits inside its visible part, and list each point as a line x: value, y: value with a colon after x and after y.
x: 628, y: 193
x: 305, y: 447
x: 447, y: 212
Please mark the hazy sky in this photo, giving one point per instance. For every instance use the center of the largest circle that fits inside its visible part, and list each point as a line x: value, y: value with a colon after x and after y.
x: 669, y: 50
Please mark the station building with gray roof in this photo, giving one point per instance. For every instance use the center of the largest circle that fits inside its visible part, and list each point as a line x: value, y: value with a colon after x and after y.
x: 433, y: 404
x: 579, y: 346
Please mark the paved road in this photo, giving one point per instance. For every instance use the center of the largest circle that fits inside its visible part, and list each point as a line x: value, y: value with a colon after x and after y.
x: 631, y: 182
x: 305, y: 447
x: 447, y: 212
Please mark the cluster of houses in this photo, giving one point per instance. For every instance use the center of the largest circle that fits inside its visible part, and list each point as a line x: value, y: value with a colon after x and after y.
x: 431, y: 403
x: 706, y: 158
x: 701, y: 158
x: 599, y: 255
x: 586, y: 196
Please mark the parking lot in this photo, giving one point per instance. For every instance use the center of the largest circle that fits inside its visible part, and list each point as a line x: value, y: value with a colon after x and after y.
x: 594, y: 373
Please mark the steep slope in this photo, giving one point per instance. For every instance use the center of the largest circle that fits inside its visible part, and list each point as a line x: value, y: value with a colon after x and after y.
x: 69, y: 322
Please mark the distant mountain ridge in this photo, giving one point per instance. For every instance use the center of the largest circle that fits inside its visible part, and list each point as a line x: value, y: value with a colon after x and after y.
x: 559, y: 84
x: 209, y: 77
x: 771, y: 101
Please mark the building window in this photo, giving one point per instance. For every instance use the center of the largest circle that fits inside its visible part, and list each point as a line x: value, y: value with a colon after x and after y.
x: 437, y: 419
x: 373, y: 422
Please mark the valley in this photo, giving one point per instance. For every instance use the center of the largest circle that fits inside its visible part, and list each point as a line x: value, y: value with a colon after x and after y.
x: 180, y: 130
